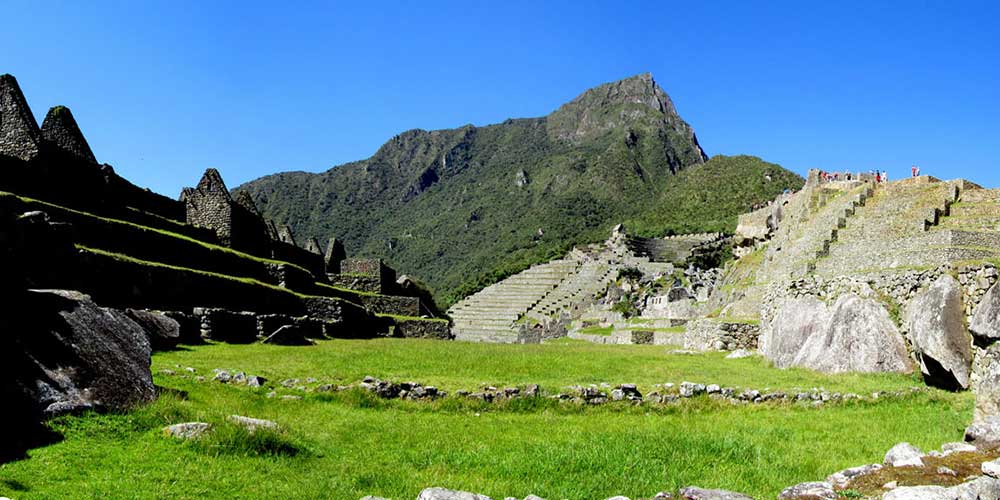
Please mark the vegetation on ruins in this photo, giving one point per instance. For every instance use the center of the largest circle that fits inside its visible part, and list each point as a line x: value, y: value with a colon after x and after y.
x: 340, y: 444
x: 463, y: 208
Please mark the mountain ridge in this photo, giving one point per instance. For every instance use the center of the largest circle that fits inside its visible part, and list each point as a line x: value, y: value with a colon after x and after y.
x: 454, y: 205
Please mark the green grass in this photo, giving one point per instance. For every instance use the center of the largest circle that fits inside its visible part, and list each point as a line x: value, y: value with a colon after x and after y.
x: 597, y: 330
x: 349, y: 444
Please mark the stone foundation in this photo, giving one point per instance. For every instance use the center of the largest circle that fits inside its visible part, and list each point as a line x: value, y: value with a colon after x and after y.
x: 420, y: 328
x: 716, y: 335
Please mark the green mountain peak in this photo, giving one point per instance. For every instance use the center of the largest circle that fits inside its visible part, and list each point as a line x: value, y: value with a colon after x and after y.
x: 460, y: 207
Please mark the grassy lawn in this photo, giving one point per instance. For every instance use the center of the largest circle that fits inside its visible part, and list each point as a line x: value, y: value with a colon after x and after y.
x: 347, y: 445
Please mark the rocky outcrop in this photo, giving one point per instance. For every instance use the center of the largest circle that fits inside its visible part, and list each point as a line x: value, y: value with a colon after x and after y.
x: 62, y: 353
x: 985, y: 326
x: 861, y: 337
x: 163, y: 332
x: 795, y: 321
x: 936, y: 323
x: 85, y: 356
x: 853, y: 335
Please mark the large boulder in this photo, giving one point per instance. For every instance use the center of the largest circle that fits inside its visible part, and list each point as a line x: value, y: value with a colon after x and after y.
x: 936, y: 321
x: 61, y: 353
x: 162, y: 331
x: 861, y: 337
x: 986, y: 317
x: 795, y: 321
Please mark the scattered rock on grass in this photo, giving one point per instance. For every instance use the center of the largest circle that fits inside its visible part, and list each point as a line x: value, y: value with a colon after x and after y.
x: 446, y: 494
x: 809, y: 491
x: 691, y: 389
x: 252, y: 424
x: 696, y: 493
x: 840, y: 479
x: 189, y: 430
x: 904, y: 455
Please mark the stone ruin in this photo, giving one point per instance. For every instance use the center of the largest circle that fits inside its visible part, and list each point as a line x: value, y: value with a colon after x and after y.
x: 127, y: 271
x: 60, y: 130
x: 19, y: 134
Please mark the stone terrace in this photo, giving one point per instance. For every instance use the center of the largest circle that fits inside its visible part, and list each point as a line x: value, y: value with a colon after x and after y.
x: 813, y: 219
x: 131, y: 248
x: 909, y: 224
x: 591, y: 278
x: 490, y: 314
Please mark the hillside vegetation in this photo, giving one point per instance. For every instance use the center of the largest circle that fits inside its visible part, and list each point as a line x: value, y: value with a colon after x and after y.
x: 460, y: 208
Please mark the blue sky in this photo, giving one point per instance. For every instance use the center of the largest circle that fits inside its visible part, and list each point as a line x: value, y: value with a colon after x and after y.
x: 164, y: 90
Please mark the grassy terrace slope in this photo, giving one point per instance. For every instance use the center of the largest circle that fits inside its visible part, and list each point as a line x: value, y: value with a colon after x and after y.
x: 463, y: 207
x: 347, y: 445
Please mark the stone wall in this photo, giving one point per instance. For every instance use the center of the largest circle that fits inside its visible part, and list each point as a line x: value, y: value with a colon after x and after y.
x: 372, y: 284
x: 210, y: 206
x: 421, y: 328
x: 895, y: 289
x: 123, y: 283
x: 227, y: 326
x: 720, y: 335
x: 299, y: 256
x: 154, y: 246
x: 61, y: 131
x: 19, y: 134
x: 374, y: 268
x: 267, y: 324
x: 387, y: 304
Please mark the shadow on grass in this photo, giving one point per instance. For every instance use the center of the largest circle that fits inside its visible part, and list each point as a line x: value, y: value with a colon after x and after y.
x: 230, y: 439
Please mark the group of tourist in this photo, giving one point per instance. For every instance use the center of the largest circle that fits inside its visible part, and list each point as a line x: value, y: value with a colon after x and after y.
x: 879, y: 176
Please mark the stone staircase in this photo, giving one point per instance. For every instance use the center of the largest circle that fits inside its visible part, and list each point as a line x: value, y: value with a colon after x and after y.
x: 897, y: 228
x: 490, y: 314
x: 592, y: 278
x: 807, y: 233
x: 977, y: 210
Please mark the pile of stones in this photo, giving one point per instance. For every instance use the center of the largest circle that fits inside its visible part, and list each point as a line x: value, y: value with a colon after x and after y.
x: 671, y: 393
x: 404, y: 390
x: 238, y: 378
x: 593, y: 394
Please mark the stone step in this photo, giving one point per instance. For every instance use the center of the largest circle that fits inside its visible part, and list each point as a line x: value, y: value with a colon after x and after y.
x: 487, y: 337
